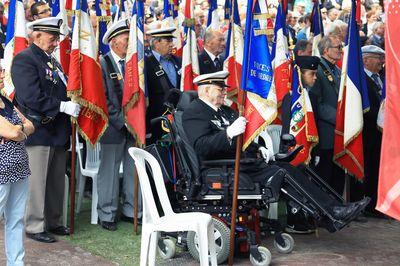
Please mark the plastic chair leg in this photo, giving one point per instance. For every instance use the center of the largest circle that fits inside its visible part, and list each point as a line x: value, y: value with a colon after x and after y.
x: 65, y: 203
x: 144, y: 246
x: 153, y: 248
x: 211, y: 244
x: 81, y: 188
x: 95, y: 200
x: 203, y: 244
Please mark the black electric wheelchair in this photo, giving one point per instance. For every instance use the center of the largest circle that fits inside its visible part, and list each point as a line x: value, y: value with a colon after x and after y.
x: 207, y: 187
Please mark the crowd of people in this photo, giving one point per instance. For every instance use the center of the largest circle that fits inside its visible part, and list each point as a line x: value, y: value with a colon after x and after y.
x: 35, y: 128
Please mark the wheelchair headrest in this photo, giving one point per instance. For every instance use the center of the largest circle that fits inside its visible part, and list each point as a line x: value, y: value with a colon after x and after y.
x: 186, y: 98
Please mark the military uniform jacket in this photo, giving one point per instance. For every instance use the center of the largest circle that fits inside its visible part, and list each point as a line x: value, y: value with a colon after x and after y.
x: 324, y: 95
x: 207, y: 65
x: 158, y: 89
x: 39, y: 90
x: 206, y: 131
x: 116, y: 130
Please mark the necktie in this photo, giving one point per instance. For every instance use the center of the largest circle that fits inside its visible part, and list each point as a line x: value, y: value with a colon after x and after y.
x: 122, y: 65
x: 217, y: 63
x: 375, y: 77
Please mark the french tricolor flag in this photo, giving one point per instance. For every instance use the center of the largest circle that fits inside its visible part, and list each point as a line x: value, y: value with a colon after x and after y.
x: 213, y: 18
x: 134, y: 97
x: 302, y: 122
x: 64, y: 48
x: 85, y: 82
x: 280, y: 56
x: 190, y: 61
x: 317, y: 28
x: 16, y: 41
x: 352, y: 103
x: 234, y: 51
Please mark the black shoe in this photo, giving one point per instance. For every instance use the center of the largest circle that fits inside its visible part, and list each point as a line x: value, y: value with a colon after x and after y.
x: 350, y: 211
x: 42, y: 237
x: 130, y: 219
x: 110, y: 226
x: 60, y: 231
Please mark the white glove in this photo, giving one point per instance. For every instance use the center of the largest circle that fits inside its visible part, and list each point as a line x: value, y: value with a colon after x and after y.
x: 237, y: 127
x: 70, y: 108
x: 316, y: 160
x: 267, y: 154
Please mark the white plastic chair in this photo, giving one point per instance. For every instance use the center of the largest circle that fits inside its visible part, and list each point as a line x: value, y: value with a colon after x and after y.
x: 91, y: 169
x: 199, y: 222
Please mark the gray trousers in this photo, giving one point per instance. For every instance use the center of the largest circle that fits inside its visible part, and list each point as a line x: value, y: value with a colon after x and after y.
x: 111, y: 156
x: 46, y: 188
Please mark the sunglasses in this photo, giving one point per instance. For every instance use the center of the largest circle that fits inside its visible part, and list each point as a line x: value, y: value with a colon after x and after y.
x: 340, y: 47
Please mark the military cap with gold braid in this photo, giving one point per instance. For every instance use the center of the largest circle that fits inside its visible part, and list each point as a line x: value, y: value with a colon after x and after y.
x: 162, y: 33
x: 50, y: 25
x: 217, y: 78
x: 116, y: 28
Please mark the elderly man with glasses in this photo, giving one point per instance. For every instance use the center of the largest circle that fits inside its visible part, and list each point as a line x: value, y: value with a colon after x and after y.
x: 324, y: 95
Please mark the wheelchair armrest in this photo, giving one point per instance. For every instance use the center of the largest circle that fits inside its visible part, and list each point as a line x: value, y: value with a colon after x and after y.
x: 226, y: 162
x: 287, y: 157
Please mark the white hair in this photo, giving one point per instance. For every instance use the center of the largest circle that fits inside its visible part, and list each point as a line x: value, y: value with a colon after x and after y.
x: 336, y: 24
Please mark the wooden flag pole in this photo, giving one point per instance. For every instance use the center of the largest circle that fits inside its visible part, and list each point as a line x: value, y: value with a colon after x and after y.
x: 239, y: 144
x: 72, y: 181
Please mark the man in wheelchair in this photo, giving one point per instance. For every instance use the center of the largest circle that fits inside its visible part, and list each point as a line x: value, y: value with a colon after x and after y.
x: 212, y: 130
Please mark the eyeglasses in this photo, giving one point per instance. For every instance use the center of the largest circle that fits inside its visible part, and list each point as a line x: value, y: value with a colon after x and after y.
x: 340, y: 47
x: 48, y: 10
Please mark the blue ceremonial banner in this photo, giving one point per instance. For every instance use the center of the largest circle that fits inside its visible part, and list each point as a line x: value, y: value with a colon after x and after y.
x: 316, y: 20
x: 227, y: 9
x: 103, y: 18
x: 296, y: 107
x: 257, y: 69
x: 355, y: 68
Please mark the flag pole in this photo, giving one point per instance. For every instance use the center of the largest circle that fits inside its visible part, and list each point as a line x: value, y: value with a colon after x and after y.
x: 72, y: 181
x: 239, y: 144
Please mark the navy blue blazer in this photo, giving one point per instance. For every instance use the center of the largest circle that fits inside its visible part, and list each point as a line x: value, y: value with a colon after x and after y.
x: 39, y: 90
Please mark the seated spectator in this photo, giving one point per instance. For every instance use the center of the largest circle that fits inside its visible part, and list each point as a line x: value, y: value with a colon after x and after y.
x: 212, y: 130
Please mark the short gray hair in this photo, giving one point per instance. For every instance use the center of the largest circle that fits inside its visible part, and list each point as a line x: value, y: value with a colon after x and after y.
x: 325, y: 43
x: 377, y: 25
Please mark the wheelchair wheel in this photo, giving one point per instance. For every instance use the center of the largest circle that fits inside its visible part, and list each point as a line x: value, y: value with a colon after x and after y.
x: 222, y: 238
x: 265, y: 255
x: 289, y: 244
x: 170, y: 249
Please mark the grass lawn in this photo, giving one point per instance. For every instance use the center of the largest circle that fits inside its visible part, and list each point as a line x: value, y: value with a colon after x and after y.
x: 121, y: 247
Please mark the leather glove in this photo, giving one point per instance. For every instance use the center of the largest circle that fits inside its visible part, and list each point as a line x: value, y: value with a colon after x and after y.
x: 267, y: 154
x: 70, y: 108
x: 237, y: 127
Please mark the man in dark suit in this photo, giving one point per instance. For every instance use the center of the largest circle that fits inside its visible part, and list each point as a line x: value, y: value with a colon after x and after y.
x: 163, y: 76
x: 324, y: 95
x: 373, y: 59
x: 40, y: 93
x: 212, y: 130
x: 116, y: 139
x: 210, y: 60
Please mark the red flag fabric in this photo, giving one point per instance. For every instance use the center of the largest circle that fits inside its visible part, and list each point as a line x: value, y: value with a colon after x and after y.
x: 352, y: 102
x: 302, y: 122
x: 389, y: 177
x: 134, y: 98
x: 15, y: 42
x: 190, y: 61
x: 85, y: 83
